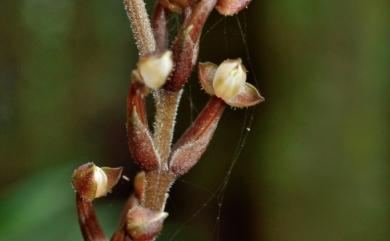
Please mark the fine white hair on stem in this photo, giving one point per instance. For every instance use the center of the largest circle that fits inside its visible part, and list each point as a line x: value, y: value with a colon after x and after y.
x: 140, y: 24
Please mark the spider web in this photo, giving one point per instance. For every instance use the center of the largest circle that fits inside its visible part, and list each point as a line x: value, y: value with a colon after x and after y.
x: 217, y: 196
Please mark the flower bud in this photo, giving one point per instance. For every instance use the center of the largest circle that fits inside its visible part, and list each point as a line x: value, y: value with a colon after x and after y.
x: 231, y: 7
x: 228, y: 79
x: 100, y: 178
x: 91, y: 181
x: 236, y: 93
x: 144, y: 224
x: 155, y: 69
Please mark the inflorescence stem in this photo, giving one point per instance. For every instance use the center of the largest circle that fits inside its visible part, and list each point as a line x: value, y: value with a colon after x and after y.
x: 164, y: 73
x: 140, y: 24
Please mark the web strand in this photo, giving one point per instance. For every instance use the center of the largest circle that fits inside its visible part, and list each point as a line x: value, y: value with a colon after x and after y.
x: 220, y: 192
x: 245, y: 130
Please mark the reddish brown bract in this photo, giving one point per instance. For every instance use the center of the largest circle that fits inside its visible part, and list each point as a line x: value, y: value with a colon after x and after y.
x: 184, y: 47
x: 140, y: 140
x: 141, y: 144
x: 193, y: 143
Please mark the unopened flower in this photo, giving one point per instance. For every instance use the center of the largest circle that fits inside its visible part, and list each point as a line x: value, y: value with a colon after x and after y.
x: 144, y: 224
x: 228, y: 82
x: 228, y: 79
x: 91, y: 181
x: 231, y: 7
x: 154, y: 69
x: 100, y: 178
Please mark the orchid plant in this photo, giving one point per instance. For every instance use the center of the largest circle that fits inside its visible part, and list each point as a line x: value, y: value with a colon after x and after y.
x: 162, y: 70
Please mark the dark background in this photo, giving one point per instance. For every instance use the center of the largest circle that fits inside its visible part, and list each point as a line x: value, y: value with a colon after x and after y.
x: 315, y: 166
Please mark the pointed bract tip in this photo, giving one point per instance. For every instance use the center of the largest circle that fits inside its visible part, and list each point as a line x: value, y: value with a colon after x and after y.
x: 247, y: 96
x: 141, y: 144
x: 206, y: 72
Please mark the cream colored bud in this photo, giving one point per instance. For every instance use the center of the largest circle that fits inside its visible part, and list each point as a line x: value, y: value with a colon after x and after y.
x: 101, y: 181
x: 91, y: 181
x: 154, y: 69
x: 144, y: 224
x: 229, y: 77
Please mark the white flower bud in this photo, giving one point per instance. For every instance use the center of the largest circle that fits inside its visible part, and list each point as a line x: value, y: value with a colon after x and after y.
x: 144, y: 224
x: 229, y: 77
x: 101, y: 181
x: 91, y: 181
x: 155, y: 69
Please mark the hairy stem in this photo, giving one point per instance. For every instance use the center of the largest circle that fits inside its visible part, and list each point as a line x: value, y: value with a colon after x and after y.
x: 166, y: 110
x: 158, y: 182
x: 157, y: 185
x: 140, y: 24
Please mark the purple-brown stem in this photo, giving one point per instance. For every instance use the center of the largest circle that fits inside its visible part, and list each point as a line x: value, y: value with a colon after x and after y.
x: 158, y: 183
x: 89, y: 224
x: 166, y: 103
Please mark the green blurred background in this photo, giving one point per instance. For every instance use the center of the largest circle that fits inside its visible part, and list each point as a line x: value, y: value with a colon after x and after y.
x: 315, y: 166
